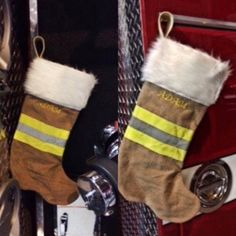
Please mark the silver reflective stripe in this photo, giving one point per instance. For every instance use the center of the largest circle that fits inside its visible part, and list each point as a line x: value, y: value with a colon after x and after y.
x: 43, y: 137
x: 158, y: 134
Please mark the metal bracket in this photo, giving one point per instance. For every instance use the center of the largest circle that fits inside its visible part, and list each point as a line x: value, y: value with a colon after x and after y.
x: 204, y: 22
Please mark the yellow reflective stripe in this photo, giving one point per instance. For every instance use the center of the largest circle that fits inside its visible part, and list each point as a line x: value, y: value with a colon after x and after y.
x: 44, y: 128
x: 2, y: 134
x: 162, y: 124
x: 154, y: 145
x: 38, y: 144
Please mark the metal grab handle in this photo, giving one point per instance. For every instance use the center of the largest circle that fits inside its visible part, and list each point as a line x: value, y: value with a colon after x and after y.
x: 204, y: 22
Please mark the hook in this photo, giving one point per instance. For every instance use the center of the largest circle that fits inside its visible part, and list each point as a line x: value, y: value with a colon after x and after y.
x: 42, y: 41
x: 169, y: 19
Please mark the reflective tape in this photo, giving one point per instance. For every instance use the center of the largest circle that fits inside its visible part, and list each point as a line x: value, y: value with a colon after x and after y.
x: 158, y: 134
x: 38, y: 135
x: 41, y: 136
x: 43, y: 127
x: 154, y: 145
x: 162, y: 124
x: 38, y: 144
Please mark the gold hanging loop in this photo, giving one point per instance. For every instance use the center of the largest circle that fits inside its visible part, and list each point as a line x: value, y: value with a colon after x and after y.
x: 167, y: 17
x: 39, y: 39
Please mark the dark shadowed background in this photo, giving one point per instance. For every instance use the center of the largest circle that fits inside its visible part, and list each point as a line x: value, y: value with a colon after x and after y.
x: 83, y: 34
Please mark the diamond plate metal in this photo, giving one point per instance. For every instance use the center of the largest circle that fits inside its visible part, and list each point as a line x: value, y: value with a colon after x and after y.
x: 129, y: 66
x: 10, y: 107
x: 137, y: 219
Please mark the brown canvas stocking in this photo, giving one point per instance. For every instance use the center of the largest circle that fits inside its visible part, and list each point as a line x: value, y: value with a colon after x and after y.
x: 180, y: 83
x: 149, y: 168
x: 55, y: 95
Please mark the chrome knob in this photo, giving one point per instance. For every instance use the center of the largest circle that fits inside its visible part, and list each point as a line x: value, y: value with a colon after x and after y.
x: 97, y: 192
x: 212, y: 184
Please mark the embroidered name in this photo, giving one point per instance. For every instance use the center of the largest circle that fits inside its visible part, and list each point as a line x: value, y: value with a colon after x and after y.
x: 50, y: 107
x: 164, y: 95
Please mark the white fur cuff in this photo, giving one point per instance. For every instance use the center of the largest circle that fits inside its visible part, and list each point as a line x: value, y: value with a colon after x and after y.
x: 59, y: 84
x: 186, y: 71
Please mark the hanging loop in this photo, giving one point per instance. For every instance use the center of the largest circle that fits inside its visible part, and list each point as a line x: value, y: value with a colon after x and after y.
x: 39, y: 39
x: 167, y: 17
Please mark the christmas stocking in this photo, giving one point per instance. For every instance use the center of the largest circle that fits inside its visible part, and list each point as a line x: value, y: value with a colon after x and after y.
x: 55, y: 95
x: 179, y: 84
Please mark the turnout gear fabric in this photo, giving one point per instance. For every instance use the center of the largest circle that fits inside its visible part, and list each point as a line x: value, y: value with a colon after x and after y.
x: 179, y: 84
x: 54, y: 96
x: 159, y: 130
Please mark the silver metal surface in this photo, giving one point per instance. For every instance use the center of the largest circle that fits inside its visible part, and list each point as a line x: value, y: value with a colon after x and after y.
x: 63, y: 224
x: 113, y: 150
x: 33, y: 7
x: 97, y: 192
x: 5, y: 54
x: 33, y: 10
x: 109, y: 143
x: 39, y: 216
x: 13, y: 41
x: 107, y: 132
x: 212, y: 184
x: 204, y: 22
x: 9, y: 208
x: 136, y: 218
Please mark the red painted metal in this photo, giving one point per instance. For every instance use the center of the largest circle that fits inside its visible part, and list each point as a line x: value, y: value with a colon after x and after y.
x: 219, y: 10
x: 216, y: 135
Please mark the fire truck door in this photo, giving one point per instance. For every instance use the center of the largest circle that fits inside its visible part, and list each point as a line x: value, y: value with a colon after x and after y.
x: 211, y: 27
